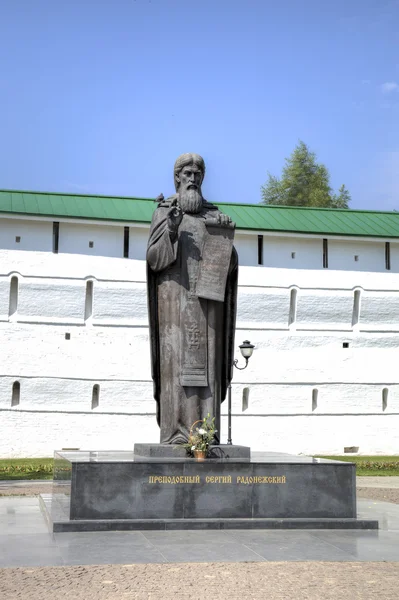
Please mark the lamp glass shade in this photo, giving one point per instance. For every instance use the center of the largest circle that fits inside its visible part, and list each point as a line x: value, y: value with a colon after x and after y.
x: 246, y: 349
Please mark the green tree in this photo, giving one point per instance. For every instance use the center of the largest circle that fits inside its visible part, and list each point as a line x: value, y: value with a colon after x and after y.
x: 342, y: 199
x: 304, y: 182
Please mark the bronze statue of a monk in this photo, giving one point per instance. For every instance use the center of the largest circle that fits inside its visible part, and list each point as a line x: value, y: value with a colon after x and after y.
x: 192, y: 270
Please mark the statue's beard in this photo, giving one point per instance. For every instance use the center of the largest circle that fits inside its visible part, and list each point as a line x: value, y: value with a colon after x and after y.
x: 190, y: 201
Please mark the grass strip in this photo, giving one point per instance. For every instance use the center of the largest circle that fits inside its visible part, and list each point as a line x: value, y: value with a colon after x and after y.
x: 26, y: 468
x: 371, y: 466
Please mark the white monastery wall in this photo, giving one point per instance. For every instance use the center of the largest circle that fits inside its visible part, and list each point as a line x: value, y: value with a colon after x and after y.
x: 292, y: 252
x: 105, y: 240
x: 247, y: 248
x: 307, y: 392
x: 138, y: 238
x: 394, y: 257
x: 356, y: 255
x: 33, y: 235
x: 288, y: 251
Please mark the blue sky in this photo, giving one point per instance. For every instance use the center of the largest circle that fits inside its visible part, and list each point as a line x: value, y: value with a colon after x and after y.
x: 101, y: 96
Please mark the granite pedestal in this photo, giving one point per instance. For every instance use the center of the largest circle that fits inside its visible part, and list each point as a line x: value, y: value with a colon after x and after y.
x: 114, y: 491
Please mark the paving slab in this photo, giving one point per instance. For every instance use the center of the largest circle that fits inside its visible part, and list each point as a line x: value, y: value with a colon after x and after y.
x: 26, y: 541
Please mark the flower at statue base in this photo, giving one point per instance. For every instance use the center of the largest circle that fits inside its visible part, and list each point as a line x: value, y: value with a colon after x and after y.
x: 202, y: 437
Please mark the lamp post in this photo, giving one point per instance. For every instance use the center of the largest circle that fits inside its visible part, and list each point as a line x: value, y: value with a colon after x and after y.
x: 246, y: 350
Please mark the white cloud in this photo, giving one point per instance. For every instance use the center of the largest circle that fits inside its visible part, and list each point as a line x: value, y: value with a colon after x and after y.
x: 389, y: 86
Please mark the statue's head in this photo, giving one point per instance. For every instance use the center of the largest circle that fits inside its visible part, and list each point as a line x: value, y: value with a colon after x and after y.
x: 186, y: 165
x: 189, y: 174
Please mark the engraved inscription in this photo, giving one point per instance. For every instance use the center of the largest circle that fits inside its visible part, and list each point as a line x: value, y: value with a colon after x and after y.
x: 240, y: 479
x: 260, y: 479
x: 174, y: 479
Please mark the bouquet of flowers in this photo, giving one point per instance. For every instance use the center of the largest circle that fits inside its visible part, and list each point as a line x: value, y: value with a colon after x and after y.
x: 201, y: 437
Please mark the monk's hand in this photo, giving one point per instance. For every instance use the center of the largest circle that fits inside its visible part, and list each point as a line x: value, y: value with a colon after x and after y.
x: 174, y: 218
x: 225, y: 220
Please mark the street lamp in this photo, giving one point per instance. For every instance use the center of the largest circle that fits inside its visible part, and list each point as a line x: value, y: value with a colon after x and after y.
x: 246, y: 349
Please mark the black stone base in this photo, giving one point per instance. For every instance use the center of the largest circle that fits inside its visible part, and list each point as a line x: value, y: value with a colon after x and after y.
x: 223, y: 451
x: 58, y: 523
x: 94, y: 491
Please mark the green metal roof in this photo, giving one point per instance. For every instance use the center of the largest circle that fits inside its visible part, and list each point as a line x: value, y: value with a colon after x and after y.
x: 327, y: 221
x: 247, y: 216
x: 103, y: 208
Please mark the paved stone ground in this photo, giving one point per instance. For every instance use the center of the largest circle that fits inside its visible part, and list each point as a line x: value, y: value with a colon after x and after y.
x: 382, y: 494
x: 26, y: 489
x: 219, y: 581
x: 379, y: 482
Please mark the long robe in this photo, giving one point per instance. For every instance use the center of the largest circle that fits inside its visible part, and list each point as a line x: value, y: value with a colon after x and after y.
x: 185, y: 328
